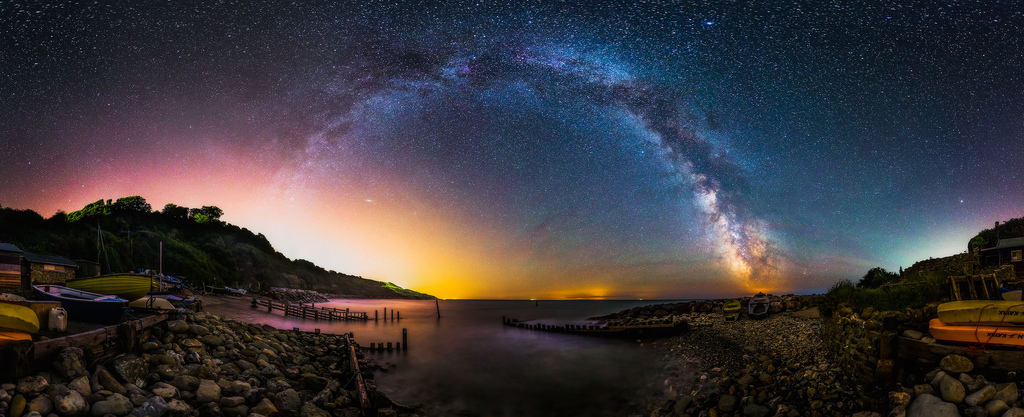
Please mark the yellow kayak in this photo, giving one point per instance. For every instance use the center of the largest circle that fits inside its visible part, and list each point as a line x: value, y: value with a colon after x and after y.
x: 7, y: 338
x: 995, y: 312
x: 977, y: 334
x: 18, y: 318
x: 731, y: 309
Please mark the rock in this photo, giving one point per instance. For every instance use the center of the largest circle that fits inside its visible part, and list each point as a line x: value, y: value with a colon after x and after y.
x: 975, y: 411
x: 31, y: 385
x: 1014, y: 412
x: 727, y: 403
x: 154, y: 407
x: 71, y: 404
x: 913, y: 334
x: 288, y: 400
x: 210, y: 410
x: 923, y: 389
x: 116, y: 404
x: 754, y: 410
x: 952, y: 390
x: 178, y: 408
x: 208, y: 391
x: 928, y: 405
x: 198, y: 330
x: 996, y: 408
x: 313, y: 382
x: 185, y: 383
x: 68, y: 363
x: 981, y: 396
x: 212, y: 340
x: 956, y: 364
x: 240, y: 410
x: 177, y: 326
x: 41, y: 405
x: 108, y: 382
x: 17, y: 407
x: 81, y: 384
x: 234, y: 388
x: 866, y: 414
x: 897, y: 399
x: 265, y: 407
x: 231, y: 401
x: 165, y: 390
x: 1006, y: 393
x: 132, y: 369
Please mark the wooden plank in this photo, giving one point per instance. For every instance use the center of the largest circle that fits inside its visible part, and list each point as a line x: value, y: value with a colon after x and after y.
x: 364, y: 398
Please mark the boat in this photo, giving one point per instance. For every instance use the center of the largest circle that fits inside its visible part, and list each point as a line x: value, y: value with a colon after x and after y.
x: 18, y: 318
x: 988, y: 335
x: 7, y: 338
x: 731, y: 310
x: 84, y: 305
x: 127, y: 286
x: 150, y: 302
x: 758, y: 305
x: 11, y: 298
x: 995, y: 312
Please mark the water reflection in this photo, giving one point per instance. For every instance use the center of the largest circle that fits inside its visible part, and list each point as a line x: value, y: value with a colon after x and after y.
x: 467, y: 361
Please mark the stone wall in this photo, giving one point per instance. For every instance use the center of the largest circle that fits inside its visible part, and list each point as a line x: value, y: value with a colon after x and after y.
x: 864, y: 343
x: 41, y: 275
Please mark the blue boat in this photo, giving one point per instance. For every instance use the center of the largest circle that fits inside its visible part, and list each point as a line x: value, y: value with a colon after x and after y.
x: 84, y: 305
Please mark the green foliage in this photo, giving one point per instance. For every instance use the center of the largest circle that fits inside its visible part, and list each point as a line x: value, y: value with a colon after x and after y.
x: 898, y: 295
x: 876, y: 277
x: 204, y: 251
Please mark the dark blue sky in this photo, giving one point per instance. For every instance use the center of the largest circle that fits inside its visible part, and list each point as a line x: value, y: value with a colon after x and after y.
x: 541, y: 149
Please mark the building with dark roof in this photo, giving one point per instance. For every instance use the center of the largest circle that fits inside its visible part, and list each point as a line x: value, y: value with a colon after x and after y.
x: 49, y: 269
x: 1007, y: 252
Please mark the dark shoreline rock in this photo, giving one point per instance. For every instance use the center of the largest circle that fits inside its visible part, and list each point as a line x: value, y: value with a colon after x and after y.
x: 202, y: 366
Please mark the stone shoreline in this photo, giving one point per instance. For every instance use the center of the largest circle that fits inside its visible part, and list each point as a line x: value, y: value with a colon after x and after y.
x: 204, y: 366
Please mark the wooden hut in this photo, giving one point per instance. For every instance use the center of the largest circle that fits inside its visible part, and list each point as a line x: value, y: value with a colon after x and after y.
x: 12, y: 278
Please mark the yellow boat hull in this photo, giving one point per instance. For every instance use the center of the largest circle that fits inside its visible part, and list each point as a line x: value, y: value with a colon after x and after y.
x: 18, y: 318
x: 128, y: 286
x: 731, y: 309
x: 992, y: 312
x: 977, y: 334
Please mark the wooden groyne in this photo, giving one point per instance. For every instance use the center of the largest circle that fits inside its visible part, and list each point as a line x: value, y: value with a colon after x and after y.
x: 310, y: 311
x: 22, y: 358
x: 633, y: 330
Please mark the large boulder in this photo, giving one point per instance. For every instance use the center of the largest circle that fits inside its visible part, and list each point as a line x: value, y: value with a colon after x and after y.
x: 31, y: 385
x: 927, y: 405
x: 108, y: 382
x: 69, y: 363
x: 956, y: 364
x: 952, y: 390
x: 208, y: 391
x: 116, y: 404
x: 154, y: 407
x: 131, y: 369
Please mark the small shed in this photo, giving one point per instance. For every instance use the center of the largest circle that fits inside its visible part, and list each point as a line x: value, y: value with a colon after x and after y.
x: 87, y: 268
x: 49, y: 269
x: 11, y: 269
x: 1007, y: 252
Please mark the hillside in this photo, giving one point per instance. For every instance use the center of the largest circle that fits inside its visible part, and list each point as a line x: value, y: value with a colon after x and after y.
x: 196, y: 246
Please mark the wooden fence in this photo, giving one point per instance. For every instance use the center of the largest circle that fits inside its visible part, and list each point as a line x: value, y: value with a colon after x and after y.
x: 310, y: 311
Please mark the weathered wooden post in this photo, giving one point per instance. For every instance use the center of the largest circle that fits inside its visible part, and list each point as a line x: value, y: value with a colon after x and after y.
x: 405, y: 338
x: 436, y: 304
x: 385, y: 314
x: 392, y: 314
x: 375, y: 315
x: 399, y: 316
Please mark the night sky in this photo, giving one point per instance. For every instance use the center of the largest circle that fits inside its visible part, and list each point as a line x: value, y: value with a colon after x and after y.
x: 543, y: 149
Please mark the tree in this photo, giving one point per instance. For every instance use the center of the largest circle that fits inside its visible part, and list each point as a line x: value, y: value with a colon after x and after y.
x: 175, y: 211
x: 133, y: 203
x: 876, y: 277
x: 206, y: 214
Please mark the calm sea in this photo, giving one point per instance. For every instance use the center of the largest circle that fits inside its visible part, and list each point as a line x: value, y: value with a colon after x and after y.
x: 468, y: 363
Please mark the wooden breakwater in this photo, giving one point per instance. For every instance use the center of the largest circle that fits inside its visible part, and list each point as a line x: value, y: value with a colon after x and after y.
x: 310, y: 311
x: 634, y: 330
x: 22, y: 358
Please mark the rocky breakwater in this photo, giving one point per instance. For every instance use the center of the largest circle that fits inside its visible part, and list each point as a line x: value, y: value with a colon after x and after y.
x: 208, y: 367
x: 952, y: 390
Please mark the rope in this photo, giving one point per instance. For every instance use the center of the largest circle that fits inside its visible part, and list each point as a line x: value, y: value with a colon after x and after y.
x: 977, y: 327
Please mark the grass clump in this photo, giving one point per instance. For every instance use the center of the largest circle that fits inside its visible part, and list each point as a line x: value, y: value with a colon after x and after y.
x: 910, y: 292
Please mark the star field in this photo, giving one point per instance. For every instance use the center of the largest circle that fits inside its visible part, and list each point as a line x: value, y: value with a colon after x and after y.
x: 537, y: 149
